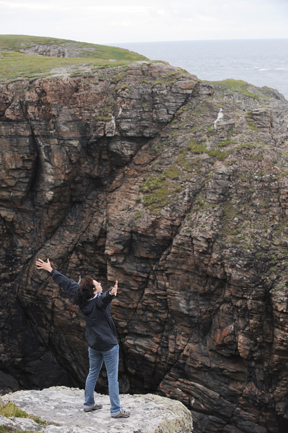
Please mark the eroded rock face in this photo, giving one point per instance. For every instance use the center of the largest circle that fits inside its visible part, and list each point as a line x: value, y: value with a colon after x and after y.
x: 122, y: 175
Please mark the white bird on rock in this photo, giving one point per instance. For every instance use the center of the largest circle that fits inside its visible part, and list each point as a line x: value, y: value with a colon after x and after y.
x: 219, y: 117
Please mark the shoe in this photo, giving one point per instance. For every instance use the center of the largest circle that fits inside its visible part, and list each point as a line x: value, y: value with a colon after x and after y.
x: 120, y: 414
x: 92, y: 407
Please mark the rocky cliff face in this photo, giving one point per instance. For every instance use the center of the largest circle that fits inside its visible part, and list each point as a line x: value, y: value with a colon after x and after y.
x: 123, y: 175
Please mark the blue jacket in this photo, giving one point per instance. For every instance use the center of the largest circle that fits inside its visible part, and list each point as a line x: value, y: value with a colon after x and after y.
x: 100, y: 331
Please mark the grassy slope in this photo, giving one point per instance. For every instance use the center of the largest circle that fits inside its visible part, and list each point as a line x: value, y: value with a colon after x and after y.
x: 14, y: 64
x: 16, y: 42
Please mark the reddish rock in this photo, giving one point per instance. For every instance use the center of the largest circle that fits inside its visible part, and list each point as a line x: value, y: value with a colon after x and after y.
x: 122, y: 176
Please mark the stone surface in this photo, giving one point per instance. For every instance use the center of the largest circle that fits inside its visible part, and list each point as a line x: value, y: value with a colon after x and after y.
x: 121, y: 175
x: 63, y: 407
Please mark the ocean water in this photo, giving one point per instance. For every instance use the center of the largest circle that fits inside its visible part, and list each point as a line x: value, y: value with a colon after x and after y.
x: 262, y: 62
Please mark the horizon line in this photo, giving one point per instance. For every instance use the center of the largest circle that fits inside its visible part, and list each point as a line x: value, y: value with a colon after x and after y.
x: 199, y: 40
x: 146, y: 42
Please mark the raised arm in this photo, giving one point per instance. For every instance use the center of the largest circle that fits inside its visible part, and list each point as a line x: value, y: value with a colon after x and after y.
x: 44, y: 265
x: 113, y: 291
x: 104, y: 300
x: 68, y: 285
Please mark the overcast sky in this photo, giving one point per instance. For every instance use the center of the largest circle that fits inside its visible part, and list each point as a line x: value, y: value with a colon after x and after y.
x: 115, y: 21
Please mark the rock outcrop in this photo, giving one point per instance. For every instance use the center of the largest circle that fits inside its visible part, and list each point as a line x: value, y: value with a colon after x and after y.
x: 122, y: 175
x: 62, y: 409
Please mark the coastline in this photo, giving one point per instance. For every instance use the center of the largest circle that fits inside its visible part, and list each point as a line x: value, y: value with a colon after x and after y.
x: 261, y: 62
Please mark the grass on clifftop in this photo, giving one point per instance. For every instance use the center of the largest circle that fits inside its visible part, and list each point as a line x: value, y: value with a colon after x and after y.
x: 236, y: 85
x: 15, y: 64
x: 17, y: 42
x: 10, y: 410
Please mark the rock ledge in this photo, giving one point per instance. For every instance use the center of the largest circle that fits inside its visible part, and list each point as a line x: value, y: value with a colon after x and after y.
x: 63, y: 406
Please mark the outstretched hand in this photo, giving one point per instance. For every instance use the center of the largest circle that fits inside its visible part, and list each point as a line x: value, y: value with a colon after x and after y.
x: 44, y: 265
x: 115, y: 288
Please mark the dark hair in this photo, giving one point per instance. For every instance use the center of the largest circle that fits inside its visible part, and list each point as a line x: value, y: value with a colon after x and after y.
x: 85, y: 292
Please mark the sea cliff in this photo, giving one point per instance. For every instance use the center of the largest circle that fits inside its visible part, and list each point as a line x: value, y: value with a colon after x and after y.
x: 123, y: 174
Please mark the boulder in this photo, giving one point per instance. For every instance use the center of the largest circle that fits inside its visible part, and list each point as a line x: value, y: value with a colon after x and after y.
x: 62, y: 408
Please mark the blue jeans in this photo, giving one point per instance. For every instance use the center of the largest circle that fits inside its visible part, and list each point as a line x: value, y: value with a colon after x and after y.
x: 111, y: 361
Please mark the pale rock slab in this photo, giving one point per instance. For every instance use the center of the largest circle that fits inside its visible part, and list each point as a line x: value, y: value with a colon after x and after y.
x: 64, y: 406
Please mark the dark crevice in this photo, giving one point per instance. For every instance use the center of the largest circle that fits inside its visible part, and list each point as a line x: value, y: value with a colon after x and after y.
x: 36, y: 170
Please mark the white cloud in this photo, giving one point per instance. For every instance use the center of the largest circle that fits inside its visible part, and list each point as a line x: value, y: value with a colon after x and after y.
x: 30, y: 6
x: 111, y: 21
x: 65, y: 6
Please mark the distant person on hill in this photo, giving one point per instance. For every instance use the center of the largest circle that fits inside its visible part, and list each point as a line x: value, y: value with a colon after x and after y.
x: 100, y: 334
